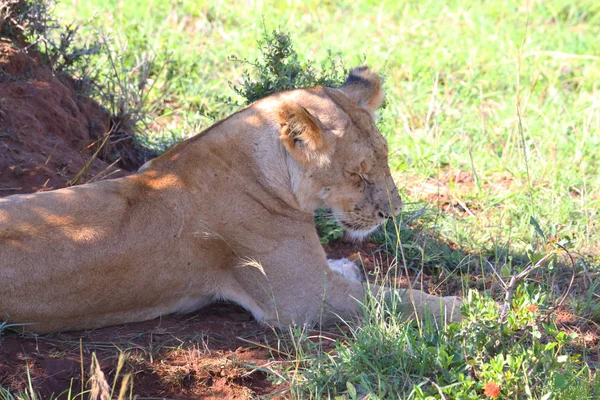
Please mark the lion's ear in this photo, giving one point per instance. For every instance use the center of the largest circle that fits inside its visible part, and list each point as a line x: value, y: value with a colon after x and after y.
x: 301, y: 134
x: 365, y: 88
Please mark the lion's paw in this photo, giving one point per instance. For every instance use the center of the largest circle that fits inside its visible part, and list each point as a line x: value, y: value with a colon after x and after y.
x: 346, y: 268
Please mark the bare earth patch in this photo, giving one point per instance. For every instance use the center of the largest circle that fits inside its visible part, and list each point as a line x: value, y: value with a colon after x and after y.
x: 201, y: 355
x: 45, y: 125
x: 452, y: 190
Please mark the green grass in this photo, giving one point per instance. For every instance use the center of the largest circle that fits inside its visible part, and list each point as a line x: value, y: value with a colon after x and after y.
x: 458, y: 75
x: 389, y: 358
x: 504, y: 93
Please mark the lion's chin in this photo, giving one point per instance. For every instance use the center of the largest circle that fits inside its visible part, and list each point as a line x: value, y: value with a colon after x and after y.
x: 358, y: 231
x: 360, y: 234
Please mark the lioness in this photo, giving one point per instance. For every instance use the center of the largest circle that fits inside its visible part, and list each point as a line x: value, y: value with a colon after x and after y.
x: 227, y: 214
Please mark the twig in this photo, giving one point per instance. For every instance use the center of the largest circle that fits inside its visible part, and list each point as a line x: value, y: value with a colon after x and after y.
x: 514, y: 282
x: 463, y: 205
x: 510, y: 291
x: 87, y: 165
x: 497, y: 275
x: 564, y: 297
x: 103, y: 174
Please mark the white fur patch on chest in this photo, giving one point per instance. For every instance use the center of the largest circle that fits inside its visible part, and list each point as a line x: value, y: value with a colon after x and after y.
x: 346, y: 268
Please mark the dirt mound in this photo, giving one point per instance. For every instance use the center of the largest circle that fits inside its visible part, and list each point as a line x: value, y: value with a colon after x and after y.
x: 45, y: 125
x: 49, y: 132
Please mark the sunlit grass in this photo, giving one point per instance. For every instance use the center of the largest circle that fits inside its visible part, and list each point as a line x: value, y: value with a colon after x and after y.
x: 456, y: 74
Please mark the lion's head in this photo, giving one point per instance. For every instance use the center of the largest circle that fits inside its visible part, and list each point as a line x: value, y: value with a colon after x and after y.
x: 341, y: 155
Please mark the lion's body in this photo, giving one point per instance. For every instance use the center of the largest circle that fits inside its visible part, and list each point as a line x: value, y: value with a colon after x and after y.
x: 226, y: 214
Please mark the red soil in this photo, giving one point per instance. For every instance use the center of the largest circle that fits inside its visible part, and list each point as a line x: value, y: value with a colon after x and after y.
x: 204, y: 355
x: 45, y: 126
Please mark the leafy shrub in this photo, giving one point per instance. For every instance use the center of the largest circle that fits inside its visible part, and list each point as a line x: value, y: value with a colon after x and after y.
x: 279, y: 68
x: 57, y: 44
x: 327, y: 226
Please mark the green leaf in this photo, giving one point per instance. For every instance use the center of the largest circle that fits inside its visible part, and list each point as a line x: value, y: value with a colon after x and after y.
x: 351, y: 390
x: 536, y: 226
x: 560, y: 381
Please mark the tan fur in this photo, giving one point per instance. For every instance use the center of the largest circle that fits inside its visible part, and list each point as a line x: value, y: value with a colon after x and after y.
x: 227, y: 214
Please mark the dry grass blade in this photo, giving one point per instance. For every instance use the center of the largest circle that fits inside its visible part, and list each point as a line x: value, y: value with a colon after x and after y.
x: 126, y: 383
x: 87, y: 165
x: 106, y: 172
x: 100, y: 387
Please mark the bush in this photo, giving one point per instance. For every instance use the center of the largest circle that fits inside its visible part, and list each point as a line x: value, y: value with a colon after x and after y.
x: 97, y: 71
x: 279, y: 68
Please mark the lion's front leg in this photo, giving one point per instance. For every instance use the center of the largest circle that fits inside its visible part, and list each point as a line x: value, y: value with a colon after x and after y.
x: 445, y: 308
x: 295, y: 284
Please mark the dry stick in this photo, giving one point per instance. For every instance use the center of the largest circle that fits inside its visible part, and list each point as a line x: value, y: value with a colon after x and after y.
x: 504, y: 285
x: 449, y: 275
x: 463, y: 205
x: 51, y: 154
x: 514, y: 282
x: 81, y: 363
x: 510, y: 291
x: 88, y: 164
x: 515, y: 279
x: 104, y: 173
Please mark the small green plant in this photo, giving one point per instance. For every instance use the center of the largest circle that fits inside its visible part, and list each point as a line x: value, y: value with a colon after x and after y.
x: 280, y: 68
x: 390, y: 357
x: 327, y: 226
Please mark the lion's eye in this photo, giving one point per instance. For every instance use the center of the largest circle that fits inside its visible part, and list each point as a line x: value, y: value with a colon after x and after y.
x: 364, y: 178
x: 359, y: 176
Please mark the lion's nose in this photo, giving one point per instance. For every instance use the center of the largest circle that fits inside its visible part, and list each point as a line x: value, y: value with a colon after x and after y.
x: 394, y: 210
